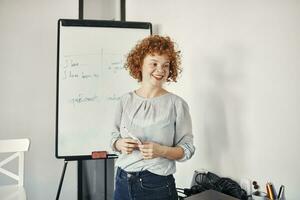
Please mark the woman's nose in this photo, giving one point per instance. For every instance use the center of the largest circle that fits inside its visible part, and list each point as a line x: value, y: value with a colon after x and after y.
x: 159, y: 68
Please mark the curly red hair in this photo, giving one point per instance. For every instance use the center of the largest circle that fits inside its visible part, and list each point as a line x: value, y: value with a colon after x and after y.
x: 153, y: 44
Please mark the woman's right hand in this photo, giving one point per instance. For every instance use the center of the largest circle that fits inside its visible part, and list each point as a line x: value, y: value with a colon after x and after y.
x: 126, y: 145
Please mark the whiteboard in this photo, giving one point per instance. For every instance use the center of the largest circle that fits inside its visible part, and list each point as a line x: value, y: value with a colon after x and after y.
x: 90, y: 80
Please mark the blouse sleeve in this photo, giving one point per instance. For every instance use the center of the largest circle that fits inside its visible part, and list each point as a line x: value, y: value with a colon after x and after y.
x: 183, y: 130
x: 115, y: 134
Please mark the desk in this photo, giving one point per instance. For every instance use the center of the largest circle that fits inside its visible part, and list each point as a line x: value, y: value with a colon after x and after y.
x: 211, y: 195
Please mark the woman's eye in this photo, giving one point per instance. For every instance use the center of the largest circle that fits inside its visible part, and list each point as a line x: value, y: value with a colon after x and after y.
x: 154, y: 64
x: 166, y: 66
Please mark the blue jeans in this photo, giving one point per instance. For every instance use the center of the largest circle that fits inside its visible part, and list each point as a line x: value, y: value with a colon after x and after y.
x: 144, y: 185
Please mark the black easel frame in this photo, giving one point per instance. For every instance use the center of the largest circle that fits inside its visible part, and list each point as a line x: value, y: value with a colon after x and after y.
x: 122, y: 10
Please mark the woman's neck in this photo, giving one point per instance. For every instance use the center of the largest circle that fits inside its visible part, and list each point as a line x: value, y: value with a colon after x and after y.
x: 150, y: 92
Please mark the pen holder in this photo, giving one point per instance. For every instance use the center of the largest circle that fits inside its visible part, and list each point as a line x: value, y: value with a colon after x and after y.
x: 257, y: 195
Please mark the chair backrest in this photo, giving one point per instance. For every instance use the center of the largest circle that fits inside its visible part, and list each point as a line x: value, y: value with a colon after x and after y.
x: 17, y: 147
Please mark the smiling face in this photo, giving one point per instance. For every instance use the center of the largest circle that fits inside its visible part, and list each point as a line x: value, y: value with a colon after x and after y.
x: 155, y: 70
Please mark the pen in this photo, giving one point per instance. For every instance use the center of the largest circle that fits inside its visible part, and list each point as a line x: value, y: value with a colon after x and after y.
x: 270, y: 191
x: 132, y: 136
x: 280, y: 192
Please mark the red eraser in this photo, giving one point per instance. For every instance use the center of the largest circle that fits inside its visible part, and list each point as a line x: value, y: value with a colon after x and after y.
x: 99, y: 154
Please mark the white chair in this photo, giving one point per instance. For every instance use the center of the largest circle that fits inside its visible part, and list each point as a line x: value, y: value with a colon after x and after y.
x: 17, y: 147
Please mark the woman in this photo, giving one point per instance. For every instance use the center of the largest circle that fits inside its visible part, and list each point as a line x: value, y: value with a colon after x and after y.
x: 152, y: 126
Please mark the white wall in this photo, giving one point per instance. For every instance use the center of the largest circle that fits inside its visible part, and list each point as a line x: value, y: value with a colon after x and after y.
x: 28, y: 48
x: 241, y: 79
x: 101, y: 9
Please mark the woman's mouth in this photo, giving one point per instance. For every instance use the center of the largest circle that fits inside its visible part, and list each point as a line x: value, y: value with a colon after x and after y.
x: 158, y: 77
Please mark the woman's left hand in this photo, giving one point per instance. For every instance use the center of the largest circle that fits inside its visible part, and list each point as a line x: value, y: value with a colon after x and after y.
x: 151, y: 150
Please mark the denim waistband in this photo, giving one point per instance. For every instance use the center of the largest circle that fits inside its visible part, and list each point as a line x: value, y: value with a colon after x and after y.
x: 124, y: 174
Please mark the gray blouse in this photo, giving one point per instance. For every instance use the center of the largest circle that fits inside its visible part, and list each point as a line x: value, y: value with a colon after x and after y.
x: 164, y: 119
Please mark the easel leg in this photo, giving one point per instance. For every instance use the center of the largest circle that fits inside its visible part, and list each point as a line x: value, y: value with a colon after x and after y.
x: 105, y: 179
x: 61, y: 180
x: 79, y: 180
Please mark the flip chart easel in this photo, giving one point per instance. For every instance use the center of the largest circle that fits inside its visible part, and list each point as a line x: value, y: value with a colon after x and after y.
x: 90, y: 81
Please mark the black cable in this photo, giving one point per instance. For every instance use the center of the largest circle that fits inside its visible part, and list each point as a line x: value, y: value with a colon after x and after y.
x: 207, y: 181
x: 232, y: 188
